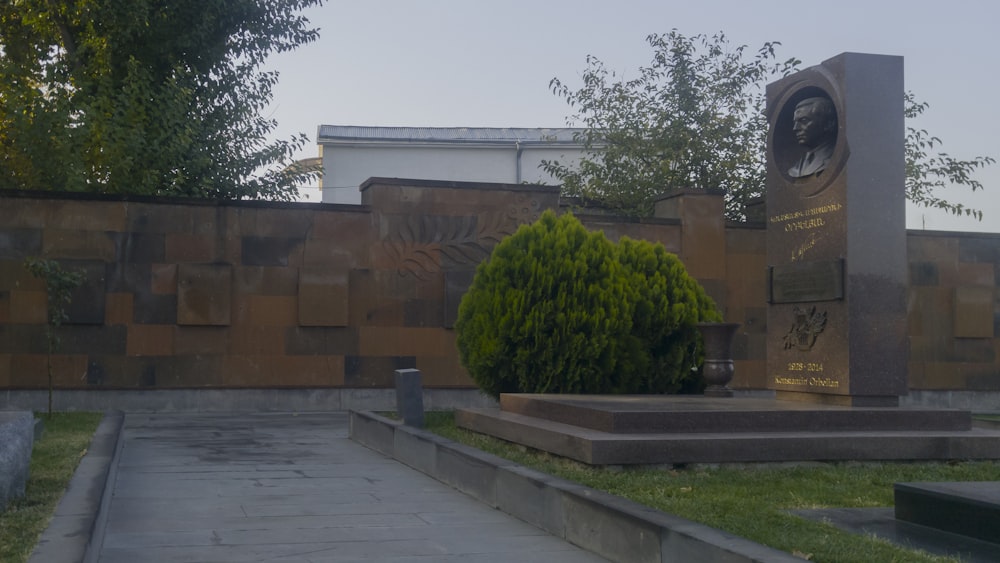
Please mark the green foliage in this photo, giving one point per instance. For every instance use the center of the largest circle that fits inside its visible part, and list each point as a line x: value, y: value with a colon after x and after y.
x: 558, y: 309
x: 54, y: 458
x: 694, y: 118
x: 59, y: 286
x: 146, y: 96
x: 928, y: 171
x: 752, y: 500
x: 668, y: 304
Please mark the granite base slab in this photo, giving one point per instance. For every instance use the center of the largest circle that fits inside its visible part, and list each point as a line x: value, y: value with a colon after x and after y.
x: 683, y: 430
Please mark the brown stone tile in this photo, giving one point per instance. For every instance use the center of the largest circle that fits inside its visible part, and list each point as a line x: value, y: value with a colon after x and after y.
x: 209, y: 220
x: 948, y: 275
x: 162, y: 217
x: 18, y: 244
x: 746, y: 241
x: 982, y: 377
x: 201, y: 340
x: 351, y: 250
x: 321, y: 341
x: 374, y: 371
x: 337, y: 227
x: 204, y: 294
x: 424, y: 313
x: 87, y: 301
x: 87, y: 215
x: 118, y: 308
x: 266, y: 280
x: 271, y: 251
x: 749, y: 374
x: 296, y: 223
x: 373, y: 304
x: 20, y: 213
x: 189, y: 371
x: 256, y: 340
x: 28, y: 307
x: 974, y: 312
x: 164, y: 279
x: 188, y: 247
x: 266, y: 310
x: 400, y: 341
x: 323, y: 297
x: 974, y: 350
x: 13, y: 275
x: 915, y: 375
x: 69, y: 370
x: 977, y: 273
x: 245, y: 371
x: 923, y: 247
x: 306, y: 371
x: 283, y: 371
x: 943, y: 375
x: 930, y: 309
x: 30, y: 371
x: 150, y: 340
x: 746, y: 284
x: 325, y: 253
x: 82, y: 245
x: 935, y: 347
x: 443, y: 372
x: 4, y: 371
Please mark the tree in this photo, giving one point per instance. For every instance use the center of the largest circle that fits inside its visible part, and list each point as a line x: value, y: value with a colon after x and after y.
x: 156, y: 97
x: 695, y: 118
x: 927, y: 172
x: 59, y: 286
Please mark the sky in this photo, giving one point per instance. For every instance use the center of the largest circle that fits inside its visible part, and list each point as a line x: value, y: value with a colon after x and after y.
x: 479, y: 63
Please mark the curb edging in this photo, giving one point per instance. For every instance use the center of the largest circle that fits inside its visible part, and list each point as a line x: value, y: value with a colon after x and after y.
x: 76, y: 532
x: 605, y: 524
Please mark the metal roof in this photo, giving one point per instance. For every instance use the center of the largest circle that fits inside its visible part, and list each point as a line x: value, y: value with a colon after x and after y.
x: 446, y: 134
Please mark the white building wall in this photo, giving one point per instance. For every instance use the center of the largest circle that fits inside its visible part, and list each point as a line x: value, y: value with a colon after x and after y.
x: 347, y: 166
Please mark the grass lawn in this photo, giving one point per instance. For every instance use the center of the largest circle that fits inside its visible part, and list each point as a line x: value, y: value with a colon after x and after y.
x: 53, y: 460
x: 751, y: 500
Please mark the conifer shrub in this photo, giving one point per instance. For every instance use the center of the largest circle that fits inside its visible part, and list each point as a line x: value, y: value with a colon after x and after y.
x: 559, y: 309
x: 668, y: 304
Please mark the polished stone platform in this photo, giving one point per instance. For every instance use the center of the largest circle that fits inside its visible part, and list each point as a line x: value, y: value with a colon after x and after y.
x: 630, y: 430
x: 966, y: 508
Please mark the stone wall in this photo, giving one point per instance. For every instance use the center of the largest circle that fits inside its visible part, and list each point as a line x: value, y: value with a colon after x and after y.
x: 196, y: 294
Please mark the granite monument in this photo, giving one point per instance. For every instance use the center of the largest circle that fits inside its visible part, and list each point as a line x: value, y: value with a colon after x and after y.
x: 836, y: 236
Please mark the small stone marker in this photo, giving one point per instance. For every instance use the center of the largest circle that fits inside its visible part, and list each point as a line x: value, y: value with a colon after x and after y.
x: 16, y: 440
x: 410, y: 397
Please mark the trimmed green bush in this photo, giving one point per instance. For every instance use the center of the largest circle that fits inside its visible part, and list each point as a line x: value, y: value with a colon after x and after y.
x: 668, y: 304
x: 559, y: 309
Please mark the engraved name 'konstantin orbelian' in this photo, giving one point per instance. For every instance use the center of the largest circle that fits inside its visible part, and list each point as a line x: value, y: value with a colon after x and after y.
x: 824, y: 382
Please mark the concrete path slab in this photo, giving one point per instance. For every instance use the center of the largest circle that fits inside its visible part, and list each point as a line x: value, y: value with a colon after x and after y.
x: 294, y: 489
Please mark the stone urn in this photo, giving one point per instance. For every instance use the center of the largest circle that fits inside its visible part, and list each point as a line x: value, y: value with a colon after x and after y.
x: 718, y: 368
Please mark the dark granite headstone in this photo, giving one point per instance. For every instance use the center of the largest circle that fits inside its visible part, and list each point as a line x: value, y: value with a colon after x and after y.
x: 17, y: 434
x: 410, y: 397
x: 836, y: 233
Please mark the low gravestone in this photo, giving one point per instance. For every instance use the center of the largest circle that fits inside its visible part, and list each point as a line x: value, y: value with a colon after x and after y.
x: 17, y: 435
x: 410, y: 397
x: 836, y: 233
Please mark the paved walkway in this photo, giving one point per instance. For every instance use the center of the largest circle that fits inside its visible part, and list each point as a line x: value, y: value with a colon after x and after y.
x: 294, y: 489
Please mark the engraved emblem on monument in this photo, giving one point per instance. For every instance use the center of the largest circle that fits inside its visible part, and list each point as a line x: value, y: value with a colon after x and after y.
x: 808, y: 324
